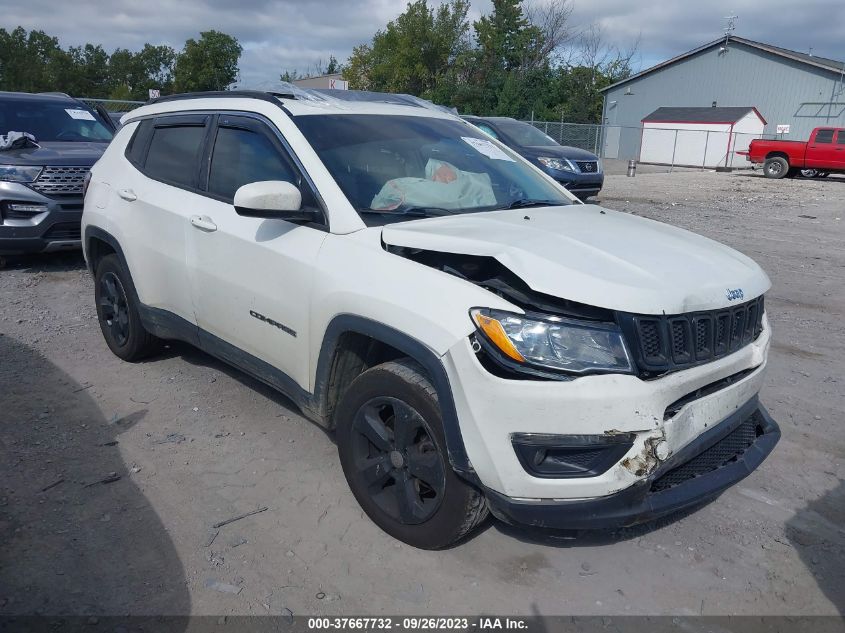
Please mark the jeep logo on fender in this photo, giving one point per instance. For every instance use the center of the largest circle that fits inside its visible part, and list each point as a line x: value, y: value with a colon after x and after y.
x: 269, y: 321
x: 735, y: 294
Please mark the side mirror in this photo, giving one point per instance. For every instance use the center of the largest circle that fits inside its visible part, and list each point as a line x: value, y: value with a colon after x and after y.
x: 272, y: 199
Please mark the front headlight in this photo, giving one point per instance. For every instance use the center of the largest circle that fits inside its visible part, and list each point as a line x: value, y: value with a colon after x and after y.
x: 559, y: 164
x: 19, y: 173
x: 547, y: 342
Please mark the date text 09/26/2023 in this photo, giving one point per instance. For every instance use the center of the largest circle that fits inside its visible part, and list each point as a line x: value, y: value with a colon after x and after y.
x: 418, y: 623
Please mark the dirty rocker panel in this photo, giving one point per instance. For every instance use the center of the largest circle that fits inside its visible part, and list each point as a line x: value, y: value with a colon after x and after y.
x: 638, y: 504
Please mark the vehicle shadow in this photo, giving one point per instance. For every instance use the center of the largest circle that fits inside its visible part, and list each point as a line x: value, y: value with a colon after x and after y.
x: 833, y: 178
x: 44, y: 262
x: 541, y: 536
x: 566, y: 539
x: 79, y: 538
x: 818, y: 534
x: 199, y: 358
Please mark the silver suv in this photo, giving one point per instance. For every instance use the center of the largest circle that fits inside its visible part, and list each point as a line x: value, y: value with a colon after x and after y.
x: 41, y: 182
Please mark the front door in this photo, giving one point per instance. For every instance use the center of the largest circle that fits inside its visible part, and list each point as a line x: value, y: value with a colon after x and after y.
x: 821, y: 150
x: 251, y: 278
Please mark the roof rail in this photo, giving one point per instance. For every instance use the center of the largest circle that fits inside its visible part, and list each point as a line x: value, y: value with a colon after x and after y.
x: 241, y: 94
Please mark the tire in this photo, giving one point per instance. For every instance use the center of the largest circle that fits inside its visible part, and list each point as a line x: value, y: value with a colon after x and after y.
x: 776, y: 167
x: 117, y: 312
x: 393, y: 453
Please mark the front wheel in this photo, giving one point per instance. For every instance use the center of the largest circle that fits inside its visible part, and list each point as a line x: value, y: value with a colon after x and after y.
x: 117, y: 312
x: 776, y: 167
x: 393, y: 452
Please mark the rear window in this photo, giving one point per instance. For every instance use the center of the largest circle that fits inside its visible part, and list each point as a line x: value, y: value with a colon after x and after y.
x: 174, y: 153
x: 824, y: 136
x: 53, y: 121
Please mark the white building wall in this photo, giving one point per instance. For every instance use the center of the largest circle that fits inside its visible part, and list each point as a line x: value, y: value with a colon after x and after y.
x: 746, y: 129
x: 690, y: 144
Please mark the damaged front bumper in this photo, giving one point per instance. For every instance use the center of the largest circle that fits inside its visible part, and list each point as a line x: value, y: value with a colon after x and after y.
x: 711, y: 463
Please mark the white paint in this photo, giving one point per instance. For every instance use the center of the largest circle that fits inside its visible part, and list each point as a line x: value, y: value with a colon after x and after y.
x: 269, y: 195
x: 699, y: 144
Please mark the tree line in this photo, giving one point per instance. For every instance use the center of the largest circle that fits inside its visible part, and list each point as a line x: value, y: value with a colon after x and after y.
x: 520, y: 60
x: 35, y: 62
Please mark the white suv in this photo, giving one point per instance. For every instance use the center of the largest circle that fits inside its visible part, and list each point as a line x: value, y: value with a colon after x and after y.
x: 476, y: 337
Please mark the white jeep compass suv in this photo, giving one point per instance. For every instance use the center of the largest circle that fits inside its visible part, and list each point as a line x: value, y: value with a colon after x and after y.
x: 475, y: 336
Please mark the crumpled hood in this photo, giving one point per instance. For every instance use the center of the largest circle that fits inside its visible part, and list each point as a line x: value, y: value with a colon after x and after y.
x: 596, y: 256
x: 55, y: 153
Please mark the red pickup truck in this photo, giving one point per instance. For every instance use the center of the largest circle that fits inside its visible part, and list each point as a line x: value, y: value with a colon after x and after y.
x: 824, y: 153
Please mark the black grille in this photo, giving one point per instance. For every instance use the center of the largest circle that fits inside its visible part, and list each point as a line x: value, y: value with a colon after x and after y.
x: 587, y: 166
x: 722, y: 453
x: 64, y: 231
x: 669, y: 343
x: 60, y: 181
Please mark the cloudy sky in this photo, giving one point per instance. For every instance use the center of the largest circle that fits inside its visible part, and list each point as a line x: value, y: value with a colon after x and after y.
x: 280, y: 35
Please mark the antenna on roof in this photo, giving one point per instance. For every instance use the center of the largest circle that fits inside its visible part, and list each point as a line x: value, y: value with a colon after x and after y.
x: 730, y: 27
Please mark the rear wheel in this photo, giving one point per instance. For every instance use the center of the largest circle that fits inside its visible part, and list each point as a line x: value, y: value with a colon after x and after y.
x: 776, y: 167
x: 393, y: 452
x: 117, y: 312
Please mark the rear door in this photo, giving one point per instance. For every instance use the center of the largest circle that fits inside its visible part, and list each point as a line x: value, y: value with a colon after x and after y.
x: 839, y: 150
x: 821, y: 150
x: 251, y: 278
x: 158, y: 198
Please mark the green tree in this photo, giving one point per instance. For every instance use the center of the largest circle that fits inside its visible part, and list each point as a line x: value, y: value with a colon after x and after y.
x: 210, y: 63
x: 413, y: 52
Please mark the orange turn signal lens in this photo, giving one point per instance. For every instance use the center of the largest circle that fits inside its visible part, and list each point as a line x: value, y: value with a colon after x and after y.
x: 496, y: 333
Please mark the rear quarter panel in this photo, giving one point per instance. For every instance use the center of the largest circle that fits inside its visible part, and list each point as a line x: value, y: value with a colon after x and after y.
x: 762, y: 149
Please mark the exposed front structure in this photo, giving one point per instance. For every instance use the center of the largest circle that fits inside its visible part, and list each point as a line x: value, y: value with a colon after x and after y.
x: 793, y: 91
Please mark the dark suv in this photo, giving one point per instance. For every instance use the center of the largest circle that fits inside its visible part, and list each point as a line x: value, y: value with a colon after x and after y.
x: 41, y: 182
x: 576, y: 169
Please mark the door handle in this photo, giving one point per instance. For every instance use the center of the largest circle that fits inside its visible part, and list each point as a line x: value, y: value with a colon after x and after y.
x: 127, y: 194
x: 203, y: 223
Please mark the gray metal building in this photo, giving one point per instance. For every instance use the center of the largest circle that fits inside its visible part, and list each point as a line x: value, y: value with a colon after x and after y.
x: 788, y: 88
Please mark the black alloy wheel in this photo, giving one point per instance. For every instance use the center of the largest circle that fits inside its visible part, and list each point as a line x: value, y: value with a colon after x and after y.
x: 397, y: 460
x: 114, y: 307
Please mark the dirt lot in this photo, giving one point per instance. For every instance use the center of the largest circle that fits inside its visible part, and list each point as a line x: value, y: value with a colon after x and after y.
x: 195, y: 443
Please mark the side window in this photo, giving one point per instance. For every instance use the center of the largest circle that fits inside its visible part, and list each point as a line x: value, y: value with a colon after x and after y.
x: 174, y: 153
x: 824, y: 136
x: 137, y: 146
x: 840, y: 137
x: 245, y: 155
x: 488, y: 130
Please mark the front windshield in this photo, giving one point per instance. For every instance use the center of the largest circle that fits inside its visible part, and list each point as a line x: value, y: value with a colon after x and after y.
x: 51, y: 121
x: 525, y: 134
x: 416, y: 165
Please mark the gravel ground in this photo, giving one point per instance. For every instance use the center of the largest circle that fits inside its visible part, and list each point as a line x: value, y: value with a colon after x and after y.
x: 194, y: 443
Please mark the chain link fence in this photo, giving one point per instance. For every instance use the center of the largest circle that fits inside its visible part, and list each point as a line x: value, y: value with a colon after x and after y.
x: 682, y: 147
x: 586, y: 136
x: 112, y: 105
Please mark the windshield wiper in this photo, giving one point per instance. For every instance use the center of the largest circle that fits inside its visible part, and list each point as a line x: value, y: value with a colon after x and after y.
x: 422, y: 212
x: 524, y: 203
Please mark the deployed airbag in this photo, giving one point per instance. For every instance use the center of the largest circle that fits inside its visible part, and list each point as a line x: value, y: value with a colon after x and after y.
x: 444, y: 186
